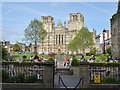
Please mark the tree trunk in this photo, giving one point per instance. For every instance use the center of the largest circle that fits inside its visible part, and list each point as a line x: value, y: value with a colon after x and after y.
x: 35, y: 52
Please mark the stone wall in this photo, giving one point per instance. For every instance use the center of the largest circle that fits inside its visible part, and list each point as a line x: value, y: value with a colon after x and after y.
x: 115, y: 34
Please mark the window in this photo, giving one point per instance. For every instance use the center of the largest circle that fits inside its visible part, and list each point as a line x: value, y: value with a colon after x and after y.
x: 62, y: 39
x: 59, y: 38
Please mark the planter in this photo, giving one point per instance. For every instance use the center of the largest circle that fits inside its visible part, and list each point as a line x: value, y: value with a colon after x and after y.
x: 75, y: 70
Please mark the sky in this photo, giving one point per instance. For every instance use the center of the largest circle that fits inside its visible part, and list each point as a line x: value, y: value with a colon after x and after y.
x: 16, y: 16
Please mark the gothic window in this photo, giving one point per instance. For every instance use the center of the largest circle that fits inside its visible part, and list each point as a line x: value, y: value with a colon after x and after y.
x: 59, y: 38
x: 56, y: 39
x: 62, y: 39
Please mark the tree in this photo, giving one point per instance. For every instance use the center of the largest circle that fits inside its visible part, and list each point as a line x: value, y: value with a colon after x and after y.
x: 16, y: 47
x: 5, y: 54
x: 83, y: 40
x: 35, y: 33
x: 109, y: 50
x: 93, y: 50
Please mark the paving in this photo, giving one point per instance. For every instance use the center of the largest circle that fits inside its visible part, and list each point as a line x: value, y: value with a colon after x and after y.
x: 69, y: 80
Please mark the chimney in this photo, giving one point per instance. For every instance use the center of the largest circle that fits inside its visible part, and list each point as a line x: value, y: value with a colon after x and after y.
x: 107, y: 34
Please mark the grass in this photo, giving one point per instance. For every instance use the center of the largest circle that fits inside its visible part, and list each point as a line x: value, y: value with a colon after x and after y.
x: 19, y: 56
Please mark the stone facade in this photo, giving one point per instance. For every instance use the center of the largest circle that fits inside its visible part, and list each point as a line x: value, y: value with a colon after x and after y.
x: 115, y: 33
x: 58, y: 38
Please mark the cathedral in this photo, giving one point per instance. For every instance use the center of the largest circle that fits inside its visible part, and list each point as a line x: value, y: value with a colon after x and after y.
x: 58, y: 37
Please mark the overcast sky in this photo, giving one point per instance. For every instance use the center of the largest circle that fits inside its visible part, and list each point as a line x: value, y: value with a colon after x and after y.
x: 16, y: 16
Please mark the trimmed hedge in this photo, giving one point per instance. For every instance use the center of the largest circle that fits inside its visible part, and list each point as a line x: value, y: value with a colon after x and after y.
x: 104, y: 64
x: 24, y: 63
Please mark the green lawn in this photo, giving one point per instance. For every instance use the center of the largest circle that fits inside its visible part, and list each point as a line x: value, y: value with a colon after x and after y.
x: 19, y: 56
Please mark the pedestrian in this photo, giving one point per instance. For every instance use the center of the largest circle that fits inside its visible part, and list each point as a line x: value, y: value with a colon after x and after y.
x: 41, y: 59
x: 92, y: 59
x: 36, y: 58
x: 109, y: 59
x: 65, y: 61
x: 10, y: 58
x: 31, y: 58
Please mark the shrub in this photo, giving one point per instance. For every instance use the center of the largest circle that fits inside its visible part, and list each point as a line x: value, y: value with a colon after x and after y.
x: 75, y: 62
x: 16, y: 47
x: 51, y: 54
x: 51, y: 59
x: 5, y: 75
x: 24, y: 57
x: 103, y: 57
x: 31, y: 78
x: 110, y: 80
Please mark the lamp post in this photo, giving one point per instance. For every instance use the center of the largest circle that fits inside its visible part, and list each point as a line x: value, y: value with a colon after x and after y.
x: 104, y: 31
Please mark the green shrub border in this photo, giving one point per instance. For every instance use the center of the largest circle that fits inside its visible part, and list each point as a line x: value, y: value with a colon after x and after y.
x: 105, y: 64
x: 23, y: 63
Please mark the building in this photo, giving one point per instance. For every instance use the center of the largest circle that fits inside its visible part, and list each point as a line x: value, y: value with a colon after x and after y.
x: 58, y: 38
x: 115, y: 33
x: 6, y: 44
x: 100, y: 41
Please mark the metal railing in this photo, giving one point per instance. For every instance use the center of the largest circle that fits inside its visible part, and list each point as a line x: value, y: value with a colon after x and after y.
x: 112, y: 72
x: 25, y: 69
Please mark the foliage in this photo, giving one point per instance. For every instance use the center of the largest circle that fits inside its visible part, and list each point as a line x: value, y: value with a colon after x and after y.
x: 75, y: 62
x: 105, y: 64
x: 93, y: 50
x: 51, y: 54
x: 111, y: 79
x: 5, y: 54
x: 82, y: 40
x: 24, y: 57
x: 5, y: 75
x: 23, y: 63
x: 16, y: 47
x: 21, y: 78
x: 109, y: 50
x: 104, y: 57
x: 31, y: 78
x: 35, y: 33
x: 51, y: 59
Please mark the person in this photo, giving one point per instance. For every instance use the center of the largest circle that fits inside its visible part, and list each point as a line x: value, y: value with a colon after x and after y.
x: 65, y: 61
x: 10, y: 58
x: 109, y: 58
x: 41, y: 59
x: 116, y: 59
x: 36, y: 58
x: 31, y: 58
x: 92, y: 59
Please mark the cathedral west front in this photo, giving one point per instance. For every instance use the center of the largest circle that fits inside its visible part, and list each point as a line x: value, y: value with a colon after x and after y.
x: 58, y: 38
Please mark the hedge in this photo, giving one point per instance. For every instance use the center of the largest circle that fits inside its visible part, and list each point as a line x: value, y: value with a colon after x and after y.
x: 23, y: 63
x: 105, y: 64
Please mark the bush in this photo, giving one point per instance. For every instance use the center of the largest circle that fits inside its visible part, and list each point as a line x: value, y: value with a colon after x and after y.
x: 104, y: 57
x: 5, y: 75
x: 31, y: 78
x: 16, y: 79
x: 75, y: 62
x: 110, y: 80
x: 51, y: 59
x: 16, y: 47
x: 24, y: 57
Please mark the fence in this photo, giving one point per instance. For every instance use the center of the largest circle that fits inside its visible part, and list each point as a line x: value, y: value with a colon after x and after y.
x: 106, y: 71
x: 44, y: 71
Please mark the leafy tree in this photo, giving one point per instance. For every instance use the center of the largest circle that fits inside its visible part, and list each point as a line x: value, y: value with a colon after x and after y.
x: 5, y: 54
x: 109, y: 50
x: 93, y: 50
x: 35, y: 33
x: 16, y: 47
x: 83, y: 40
